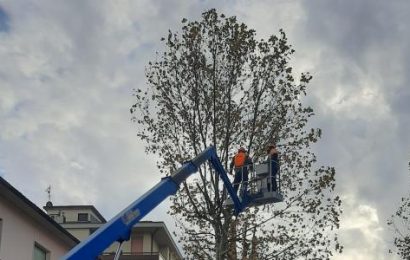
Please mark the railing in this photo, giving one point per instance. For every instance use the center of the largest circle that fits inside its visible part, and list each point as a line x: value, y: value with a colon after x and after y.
x: 134, y: 253
x: 251, y: 184
x: 132, y: 256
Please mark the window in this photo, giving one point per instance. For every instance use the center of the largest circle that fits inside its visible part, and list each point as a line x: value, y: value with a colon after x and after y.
x: 40, y: 253
x: 82, y: 217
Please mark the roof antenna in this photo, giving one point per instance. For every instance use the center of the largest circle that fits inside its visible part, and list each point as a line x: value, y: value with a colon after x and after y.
x: 48, y: 190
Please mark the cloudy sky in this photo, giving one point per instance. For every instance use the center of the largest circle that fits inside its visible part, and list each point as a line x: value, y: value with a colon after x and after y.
x: 67, y: 70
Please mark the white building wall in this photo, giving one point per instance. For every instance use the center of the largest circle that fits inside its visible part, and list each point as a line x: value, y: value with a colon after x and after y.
x: 155, y: 248
x: 147, y: 238
x: 83, y: 233
x: 164, y: 252
x: 126, y: 247
x: 80, y: 234
x: 71, y: 215
x: 146, y: 242
x: 20, y: 232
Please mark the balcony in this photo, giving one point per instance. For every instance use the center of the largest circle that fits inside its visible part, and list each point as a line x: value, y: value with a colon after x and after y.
x: 133, y: 256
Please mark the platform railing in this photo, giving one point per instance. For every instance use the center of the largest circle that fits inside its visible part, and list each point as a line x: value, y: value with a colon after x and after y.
x: 251, y: 184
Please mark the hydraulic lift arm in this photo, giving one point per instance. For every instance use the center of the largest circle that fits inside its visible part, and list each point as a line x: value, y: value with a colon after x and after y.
x: 119, y: 227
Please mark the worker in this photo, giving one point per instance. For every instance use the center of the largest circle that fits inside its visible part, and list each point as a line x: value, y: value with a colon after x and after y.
x: 273, y: 161
x: 240, y: 162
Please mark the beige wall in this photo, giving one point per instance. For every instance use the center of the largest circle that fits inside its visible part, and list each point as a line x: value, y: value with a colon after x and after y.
x: 83, y: 233
x: 167, y: 254
x: 147, y: 243
x: 20, y: 232
x: 164, y: 252
x: 126, y: 247
x: 80, y: 234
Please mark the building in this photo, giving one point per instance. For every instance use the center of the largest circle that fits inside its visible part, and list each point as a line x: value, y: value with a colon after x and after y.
x: 149, y: 240
x: 80, y: 220
x: 26, y: 231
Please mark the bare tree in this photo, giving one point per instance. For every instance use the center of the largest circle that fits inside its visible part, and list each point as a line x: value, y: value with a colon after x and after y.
x: 217, y: 84
x: 400, y: 222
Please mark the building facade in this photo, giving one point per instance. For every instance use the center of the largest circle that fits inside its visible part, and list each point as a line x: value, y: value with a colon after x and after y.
x: 149, y: 240
x: 26, y: 231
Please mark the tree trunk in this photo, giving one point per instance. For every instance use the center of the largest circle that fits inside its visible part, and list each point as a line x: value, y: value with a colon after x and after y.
x: 232, y: 253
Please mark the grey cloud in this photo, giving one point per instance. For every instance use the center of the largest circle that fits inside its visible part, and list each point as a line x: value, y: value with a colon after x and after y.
x: 375, y: 57
x: 360, y: 92
x: 354, y: 26
x: 4, y: 21
x: 68, y: 70
x: 66, y: 83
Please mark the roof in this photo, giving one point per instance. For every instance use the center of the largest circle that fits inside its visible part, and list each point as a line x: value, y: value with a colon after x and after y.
x: 24, y: 204
x: 80, y: 207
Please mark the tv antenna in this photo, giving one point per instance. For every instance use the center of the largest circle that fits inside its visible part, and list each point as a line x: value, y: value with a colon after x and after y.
x: 48, y: 190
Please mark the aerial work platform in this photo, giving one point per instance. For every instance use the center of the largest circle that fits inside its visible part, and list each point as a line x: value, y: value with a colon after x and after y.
x: 264, y: 197
x: 119, y: 227
x: 258, y: 191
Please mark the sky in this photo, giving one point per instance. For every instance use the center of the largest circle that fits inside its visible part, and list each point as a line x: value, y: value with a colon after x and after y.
x: 68, y: 68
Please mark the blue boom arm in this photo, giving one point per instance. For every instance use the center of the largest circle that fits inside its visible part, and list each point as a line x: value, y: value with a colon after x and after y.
x: 119, y: 227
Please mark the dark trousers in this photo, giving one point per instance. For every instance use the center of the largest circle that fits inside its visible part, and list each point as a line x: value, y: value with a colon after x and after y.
x: 273, y: 184
x: 240, y: 177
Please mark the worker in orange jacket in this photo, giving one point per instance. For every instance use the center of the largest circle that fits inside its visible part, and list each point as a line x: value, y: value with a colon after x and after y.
x: 240, y: 162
